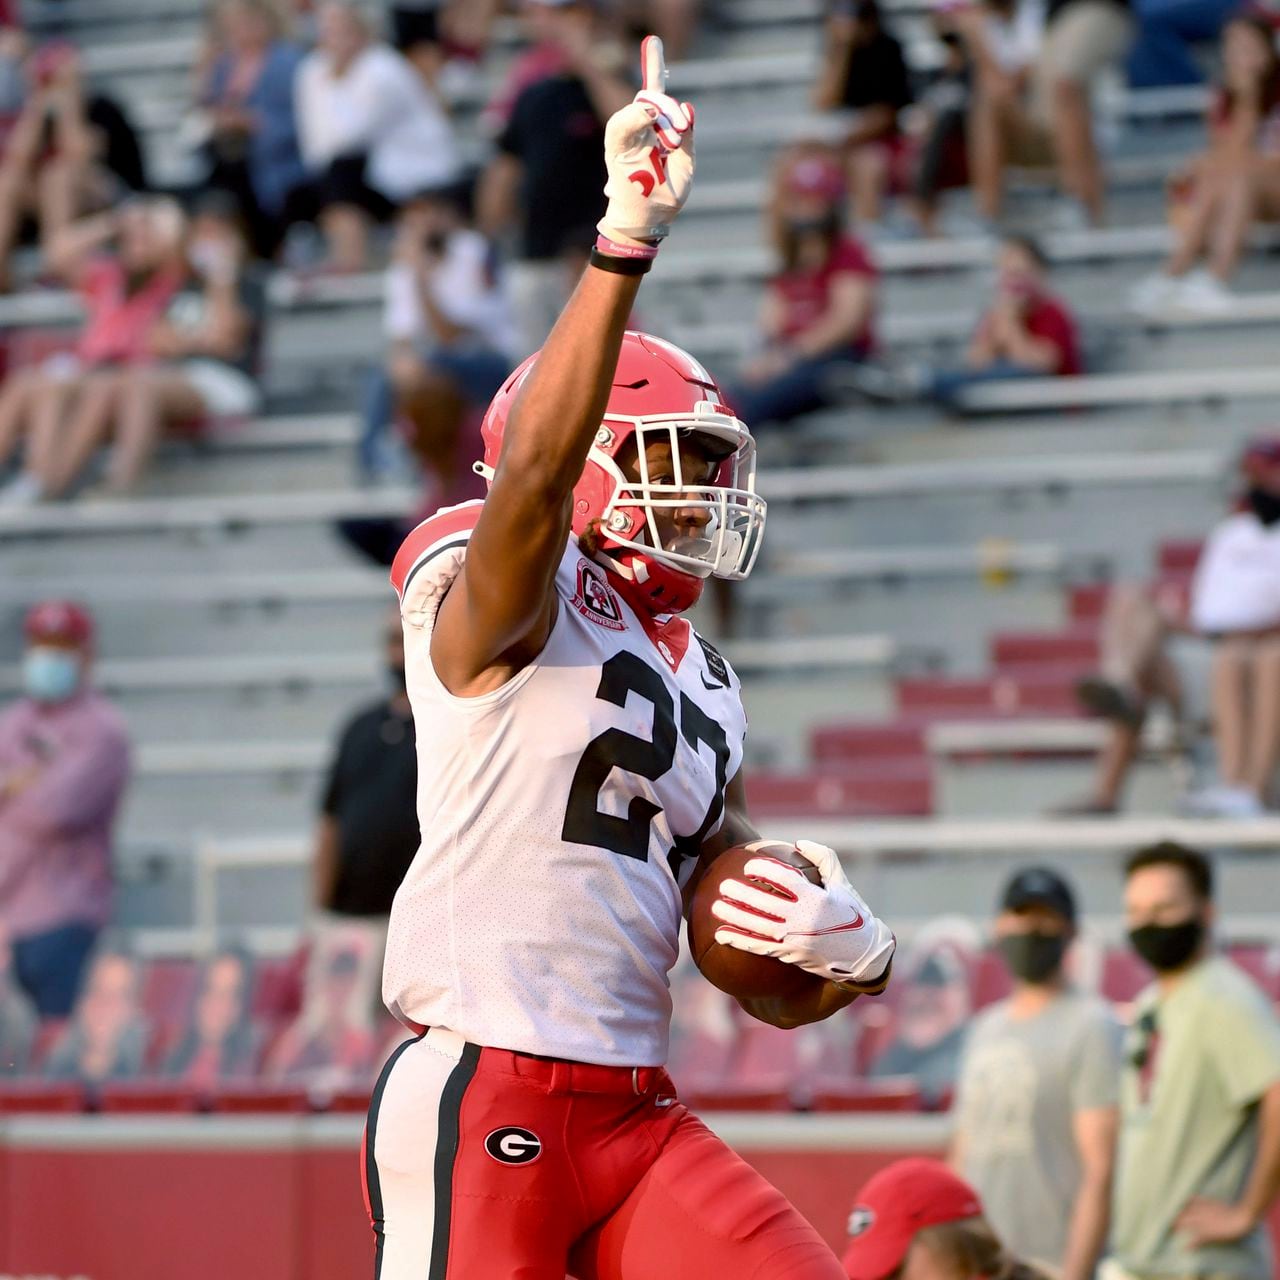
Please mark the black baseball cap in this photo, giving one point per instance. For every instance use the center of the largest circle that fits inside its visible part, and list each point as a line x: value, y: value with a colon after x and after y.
x: 1039, y: 887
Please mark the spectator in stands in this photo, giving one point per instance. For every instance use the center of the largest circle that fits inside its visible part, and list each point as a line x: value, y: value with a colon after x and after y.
x: 1026, y: 332
x: 1036, y: 1097
x: 64, y: 764
x: 68, y: 153
x: 545, y: 182
x: 106, y: 1040
x: 941, y: 156
x: 1168, y: 31
x: 1235, y: 603
x: 933, y: 1006
x: 331, y: 1044
x: 1225, y: 189
x: 674, y: 21
x: 818, y: 312
x: 372, y: 133
x: 204, y: 357
x: 452, y: 338
x: 864, y: 74
x: 368, y: 831
x: 915, y: 1220
x: 1031, y: 102
x: 1198, y: 1167
x: 1003, y: 40
x: 126, y: 265
x: 246, y: 114
x: 220, y: 1042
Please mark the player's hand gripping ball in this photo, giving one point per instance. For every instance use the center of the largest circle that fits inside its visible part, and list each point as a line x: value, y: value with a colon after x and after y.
x: 648, y: 151
x: 785, y: 907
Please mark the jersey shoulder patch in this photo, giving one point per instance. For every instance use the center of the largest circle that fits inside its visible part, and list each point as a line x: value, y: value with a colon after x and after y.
x: 430, y: 557
x: 718, y: 670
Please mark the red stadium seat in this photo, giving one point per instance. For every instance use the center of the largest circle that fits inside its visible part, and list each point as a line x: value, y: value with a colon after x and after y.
x: 867, y: 741
x: 1261, y: 961
x: 1178, y: 556
x: 277, y: 987
x: 168, y: 987
x: 943, y: 699
x: 145, y: 1095
x: 239, y: 1099
x: 1021, y: 650
x: 1123, y: 975
x: 894, y: 788
x: 40, y: 1096
x: 347, y: 1101
x: 1085, y: 604
x: 991, y: 980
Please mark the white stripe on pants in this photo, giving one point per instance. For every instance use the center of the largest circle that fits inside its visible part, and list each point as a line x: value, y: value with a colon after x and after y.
x: 406, y: 1137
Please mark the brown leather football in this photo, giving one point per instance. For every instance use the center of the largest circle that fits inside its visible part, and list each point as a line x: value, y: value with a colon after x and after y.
x: 738, y: 972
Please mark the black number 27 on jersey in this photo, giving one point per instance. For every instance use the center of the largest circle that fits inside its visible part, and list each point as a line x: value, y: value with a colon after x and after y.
x: 628, y: 835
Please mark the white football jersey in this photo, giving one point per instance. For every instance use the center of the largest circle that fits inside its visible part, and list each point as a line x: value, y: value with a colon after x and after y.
x: 561, y: 814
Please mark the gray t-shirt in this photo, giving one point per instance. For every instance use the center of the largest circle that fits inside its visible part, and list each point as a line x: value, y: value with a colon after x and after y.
x: 1022, y: 1081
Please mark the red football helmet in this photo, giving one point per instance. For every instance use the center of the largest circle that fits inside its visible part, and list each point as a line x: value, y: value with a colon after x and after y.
x: 659, y: 393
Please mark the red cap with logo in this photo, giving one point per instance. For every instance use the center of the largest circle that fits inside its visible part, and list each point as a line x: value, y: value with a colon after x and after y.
x: 894, y: 1205
x: 60, y: 621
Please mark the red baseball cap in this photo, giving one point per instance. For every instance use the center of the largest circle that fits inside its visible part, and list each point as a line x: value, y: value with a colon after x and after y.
x: 816, y: 176
x: 894, y: 1205
x: 58, y: 620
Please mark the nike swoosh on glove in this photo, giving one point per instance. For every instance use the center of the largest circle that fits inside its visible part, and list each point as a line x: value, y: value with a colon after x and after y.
x: 648, y: 151
x: 825, y: 930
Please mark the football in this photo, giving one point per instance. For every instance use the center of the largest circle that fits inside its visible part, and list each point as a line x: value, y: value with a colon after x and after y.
x: 738, y: 972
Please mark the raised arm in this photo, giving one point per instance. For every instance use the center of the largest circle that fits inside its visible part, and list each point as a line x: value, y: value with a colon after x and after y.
x: 498, y: 613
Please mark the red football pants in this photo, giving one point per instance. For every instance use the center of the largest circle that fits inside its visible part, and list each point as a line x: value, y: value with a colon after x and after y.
x: 482, y: 1164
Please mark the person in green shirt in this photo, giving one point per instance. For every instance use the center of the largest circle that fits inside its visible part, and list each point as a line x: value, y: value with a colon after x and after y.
x: 1198, y: 1165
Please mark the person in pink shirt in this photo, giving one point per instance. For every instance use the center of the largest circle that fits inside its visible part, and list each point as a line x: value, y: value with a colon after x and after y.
x: 126, y: 265
x: 64, y: 764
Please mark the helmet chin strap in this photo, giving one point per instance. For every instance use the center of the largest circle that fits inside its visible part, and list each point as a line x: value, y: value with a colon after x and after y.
x: 648, y: 587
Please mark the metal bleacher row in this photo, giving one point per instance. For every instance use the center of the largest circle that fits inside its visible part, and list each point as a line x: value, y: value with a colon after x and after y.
x: 929, y: 591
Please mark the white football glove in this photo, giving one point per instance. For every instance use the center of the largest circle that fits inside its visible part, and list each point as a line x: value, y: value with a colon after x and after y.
x: 827, y: 931
x: 648, y: 150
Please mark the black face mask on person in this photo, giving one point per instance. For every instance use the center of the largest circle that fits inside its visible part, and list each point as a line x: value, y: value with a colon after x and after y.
x: 1166, y: 947
x: 1033, y: 957
x: 1264, y: 505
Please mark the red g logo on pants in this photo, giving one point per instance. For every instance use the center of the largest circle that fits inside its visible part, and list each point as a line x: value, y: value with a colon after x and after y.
x: 513, y: 1145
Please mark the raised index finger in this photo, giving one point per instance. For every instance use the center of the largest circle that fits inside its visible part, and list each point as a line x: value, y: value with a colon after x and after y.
x: 653, y: 65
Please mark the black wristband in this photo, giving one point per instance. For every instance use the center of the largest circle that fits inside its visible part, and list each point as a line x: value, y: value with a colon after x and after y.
x: 620, y: 266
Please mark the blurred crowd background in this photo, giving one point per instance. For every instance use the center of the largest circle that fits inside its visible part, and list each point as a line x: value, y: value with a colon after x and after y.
x: 995, y: 285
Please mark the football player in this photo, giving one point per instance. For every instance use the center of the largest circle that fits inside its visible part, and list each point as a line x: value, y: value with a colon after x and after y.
x: 579, y: 752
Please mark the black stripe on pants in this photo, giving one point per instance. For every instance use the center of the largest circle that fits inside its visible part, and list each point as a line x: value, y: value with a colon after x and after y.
x: 372, y: 1185
x: 448, y: 1133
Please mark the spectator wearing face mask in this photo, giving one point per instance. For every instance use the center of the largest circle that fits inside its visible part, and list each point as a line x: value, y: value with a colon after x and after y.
x: 915, y: 1220
x: 1036, y: 1096
x: 1198, y: 1164
x: 64, y: 764
x: 818, y: 313
x: 1026, y: 332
